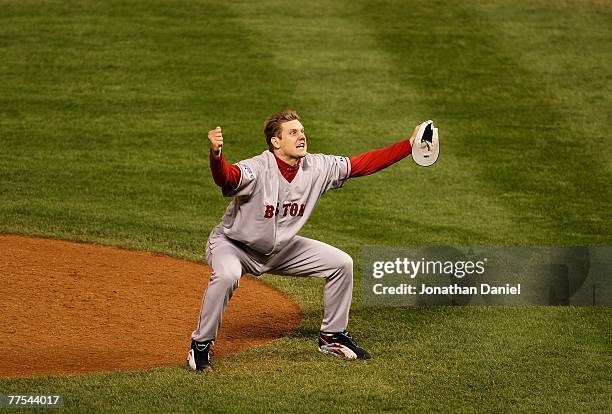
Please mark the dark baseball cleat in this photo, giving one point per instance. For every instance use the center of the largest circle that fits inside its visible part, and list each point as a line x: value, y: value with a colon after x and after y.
x: 199, y: 357
x: 342, y: 345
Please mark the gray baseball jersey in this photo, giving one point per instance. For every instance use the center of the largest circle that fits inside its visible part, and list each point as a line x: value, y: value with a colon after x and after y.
x: 258, y: 234
x: 267, y: 211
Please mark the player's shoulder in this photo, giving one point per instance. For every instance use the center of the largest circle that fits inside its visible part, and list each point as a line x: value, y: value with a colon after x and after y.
x: 260, y: 160
x: 257, y: 165
x: 324, y: 159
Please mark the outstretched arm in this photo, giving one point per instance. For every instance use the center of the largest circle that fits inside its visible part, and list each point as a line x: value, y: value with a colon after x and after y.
x: 226, y: 176
x: 378, y: 159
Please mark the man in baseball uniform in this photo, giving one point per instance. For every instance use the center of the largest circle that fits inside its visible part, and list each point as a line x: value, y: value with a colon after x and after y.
x: 273, y: 195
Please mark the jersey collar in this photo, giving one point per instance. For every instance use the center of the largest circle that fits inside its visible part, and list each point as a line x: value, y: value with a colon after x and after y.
x: 287, y: 170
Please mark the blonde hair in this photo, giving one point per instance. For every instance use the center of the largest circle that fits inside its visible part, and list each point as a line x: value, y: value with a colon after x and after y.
x: 273, y: 125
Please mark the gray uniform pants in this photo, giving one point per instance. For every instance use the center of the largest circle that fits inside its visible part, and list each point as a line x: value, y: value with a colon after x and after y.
x: 301, y: 257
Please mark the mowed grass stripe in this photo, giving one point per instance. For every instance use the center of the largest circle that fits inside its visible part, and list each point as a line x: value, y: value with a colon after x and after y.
x: 564, y: 75
x: 490, y: 358
x: 445, y: 359
x: 518, y: 142
x: 567, y: 69
x: 109, y: 105
x: 352, y: 101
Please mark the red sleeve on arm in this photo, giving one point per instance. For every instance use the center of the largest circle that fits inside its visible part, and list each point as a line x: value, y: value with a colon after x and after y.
x: 226, y: 176
x: 375, y: 160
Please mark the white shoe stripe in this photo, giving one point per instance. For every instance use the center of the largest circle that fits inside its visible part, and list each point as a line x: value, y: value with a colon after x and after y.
x: 338, y: 350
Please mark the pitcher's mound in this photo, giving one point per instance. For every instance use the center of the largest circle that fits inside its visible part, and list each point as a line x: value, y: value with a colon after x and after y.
x: 71, y: 308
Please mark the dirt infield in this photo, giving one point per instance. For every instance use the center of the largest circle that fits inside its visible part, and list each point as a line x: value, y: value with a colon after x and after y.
x: 73, y: 308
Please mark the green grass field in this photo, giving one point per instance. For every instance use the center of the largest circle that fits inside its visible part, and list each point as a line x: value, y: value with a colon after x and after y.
x: 104, y: 109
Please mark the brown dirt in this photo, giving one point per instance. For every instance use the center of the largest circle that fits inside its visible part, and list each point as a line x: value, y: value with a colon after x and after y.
x: 73, y: 308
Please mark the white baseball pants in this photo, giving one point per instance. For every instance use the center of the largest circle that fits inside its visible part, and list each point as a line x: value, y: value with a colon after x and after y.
x: 301, y: 257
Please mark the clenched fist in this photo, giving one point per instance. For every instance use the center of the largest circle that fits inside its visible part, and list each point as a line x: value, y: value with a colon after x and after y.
x: 216, y: 141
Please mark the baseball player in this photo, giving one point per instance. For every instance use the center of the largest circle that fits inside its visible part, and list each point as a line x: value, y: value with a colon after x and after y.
x: 273, y: 195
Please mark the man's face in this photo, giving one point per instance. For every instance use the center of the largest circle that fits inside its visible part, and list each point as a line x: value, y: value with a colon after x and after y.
x: 292, y: 143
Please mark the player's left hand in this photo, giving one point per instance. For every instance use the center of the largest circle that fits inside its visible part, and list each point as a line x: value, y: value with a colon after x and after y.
x: 414, y: 134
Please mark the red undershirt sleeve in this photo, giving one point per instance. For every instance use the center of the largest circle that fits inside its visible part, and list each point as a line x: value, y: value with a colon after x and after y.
x: 378, y: 159
x: 226, y: 176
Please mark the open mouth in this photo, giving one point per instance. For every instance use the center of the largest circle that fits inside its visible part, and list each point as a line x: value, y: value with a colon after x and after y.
x: 302, y: 145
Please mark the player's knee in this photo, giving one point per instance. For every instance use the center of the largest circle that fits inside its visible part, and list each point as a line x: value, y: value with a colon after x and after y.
x: 345, y: 263
x: 227, y: 279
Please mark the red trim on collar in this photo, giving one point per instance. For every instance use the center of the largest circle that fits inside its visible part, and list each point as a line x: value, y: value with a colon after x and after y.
x: 287, y: 170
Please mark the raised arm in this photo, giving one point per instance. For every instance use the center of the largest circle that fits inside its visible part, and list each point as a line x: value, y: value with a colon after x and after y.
x: 226, y: 176
x: 378, y: 159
